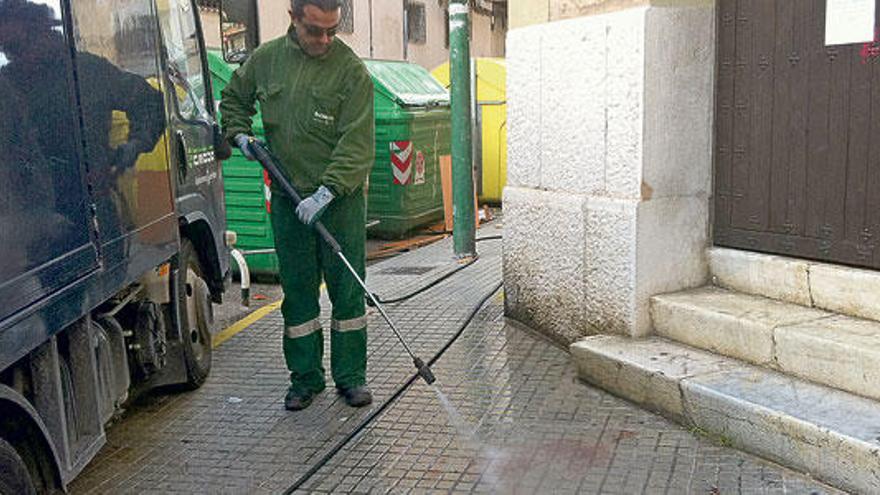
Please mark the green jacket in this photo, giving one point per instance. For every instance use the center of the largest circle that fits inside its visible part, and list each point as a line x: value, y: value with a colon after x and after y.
x: 317, y: 112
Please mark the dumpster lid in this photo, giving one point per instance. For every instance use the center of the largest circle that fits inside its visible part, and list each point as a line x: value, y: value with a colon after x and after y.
x: 407, y: 84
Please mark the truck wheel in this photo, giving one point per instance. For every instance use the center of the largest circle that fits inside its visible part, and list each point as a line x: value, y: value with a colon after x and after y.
x: 196, y: 316
x: 14, y: 475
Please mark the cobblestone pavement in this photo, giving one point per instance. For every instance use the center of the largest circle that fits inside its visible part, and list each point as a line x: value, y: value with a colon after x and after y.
x: 516, y: 421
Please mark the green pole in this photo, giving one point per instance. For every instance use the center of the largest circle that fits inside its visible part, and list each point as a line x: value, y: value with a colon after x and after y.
x: 463, y: 229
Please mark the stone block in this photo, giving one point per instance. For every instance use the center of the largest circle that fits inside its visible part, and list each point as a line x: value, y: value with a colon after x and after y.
x: 524, y: 107
x: 679, y: 101
x: 670, y: 251
x: 646, y: 372
x: 732, y: 324
x: 828, y: 433
x: 625, y: 87
x: 572, y: 74
x: 845, y: 290
x: 544, y: 261
x: 775, y: 277
x: 609, y: 276
x: 839, y: 351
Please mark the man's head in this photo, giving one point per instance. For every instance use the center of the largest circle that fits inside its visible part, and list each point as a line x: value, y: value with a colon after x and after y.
x: 26, y: 29
x: 315, y: 22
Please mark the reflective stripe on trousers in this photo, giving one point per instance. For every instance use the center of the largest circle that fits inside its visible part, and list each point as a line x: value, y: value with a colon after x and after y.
x: 303, y: 329
x: 349, y: 325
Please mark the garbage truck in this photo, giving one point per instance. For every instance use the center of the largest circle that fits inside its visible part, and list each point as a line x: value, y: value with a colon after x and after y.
x: 113, y: 245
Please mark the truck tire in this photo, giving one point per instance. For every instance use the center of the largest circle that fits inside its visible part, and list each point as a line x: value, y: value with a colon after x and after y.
x: 14, y: 476
x: 195, y: 316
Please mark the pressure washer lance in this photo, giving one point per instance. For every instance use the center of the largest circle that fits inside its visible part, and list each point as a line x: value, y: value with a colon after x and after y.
x: 270, y: 163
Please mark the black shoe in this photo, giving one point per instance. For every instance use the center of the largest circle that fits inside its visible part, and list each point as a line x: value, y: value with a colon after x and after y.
x: 296, y: 401
x: 359, y: 396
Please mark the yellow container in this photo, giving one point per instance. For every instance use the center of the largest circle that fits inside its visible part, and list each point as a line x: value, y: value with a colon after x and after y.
x: 490, y: 143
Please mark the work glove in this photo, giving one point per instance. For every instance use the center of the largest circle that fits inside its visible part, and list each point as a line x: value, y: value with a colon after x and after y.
x: 243, y: 141
x: 311, y: 208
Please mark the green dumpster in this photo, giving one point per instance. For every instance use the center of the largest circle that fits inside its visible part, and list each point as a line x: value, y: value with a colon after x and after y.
x: 245, y: 184
x: 413, y: 130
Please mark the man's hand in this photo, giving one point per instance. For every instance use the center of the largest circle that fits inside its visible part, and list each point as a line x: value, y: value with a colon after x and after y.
x: 243, y: 141
x: 125, y: 156
x: 311, y: 208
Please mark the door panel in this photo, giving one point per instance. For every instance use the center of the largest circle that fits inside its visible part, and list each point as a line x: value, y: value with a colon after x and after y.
x: 46, y: 239
x: 797, y: 154
x: 122, y: 103
x: 199, y: 179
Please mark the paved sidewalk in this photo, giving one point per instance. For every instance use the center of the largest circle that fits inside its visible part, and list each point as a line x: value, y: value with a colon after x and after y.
x: 524, y: 423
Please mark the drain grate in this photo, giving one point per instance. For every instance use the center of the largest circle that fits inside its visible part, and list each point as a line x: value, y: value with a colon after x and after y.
x: 407, y: 270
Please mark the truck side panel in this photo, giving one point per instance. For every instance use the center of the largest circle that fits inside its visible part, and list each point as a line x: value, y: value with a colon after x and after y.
x: 45, y: 225
x: 105, y: 130
x: 123, y: 109
x: 85, y: 209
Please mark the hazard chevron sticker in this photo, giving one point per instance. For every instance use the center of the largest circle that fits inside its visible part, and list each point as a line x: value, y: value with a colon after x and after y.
x: 401, y: 161
x: 267, y: 191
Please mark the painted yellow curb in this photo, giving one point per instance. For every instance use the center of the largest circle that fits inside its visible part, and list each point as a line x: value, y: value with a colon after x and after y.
x: 245, y: 322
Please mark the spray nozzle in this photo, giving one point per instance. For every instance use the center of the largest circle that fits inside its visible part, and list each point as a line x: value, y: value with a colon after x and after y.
x: 424, y: 371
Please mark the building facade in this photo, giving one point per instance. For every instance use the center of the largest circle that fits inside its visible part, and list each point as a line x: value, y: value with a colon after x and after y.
x: 411, y: 30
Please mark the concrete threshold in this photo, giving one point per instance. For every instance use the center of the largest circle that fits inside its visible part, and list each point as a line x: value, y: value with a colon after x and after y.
x: 830, y: 434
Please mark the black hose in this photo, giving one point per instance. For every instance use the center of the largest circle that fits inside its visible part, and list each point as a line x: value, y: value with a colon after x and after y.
x: 433, y: 282
x: 489, y: 238
x: 397, y: 393
x: 423, y: 288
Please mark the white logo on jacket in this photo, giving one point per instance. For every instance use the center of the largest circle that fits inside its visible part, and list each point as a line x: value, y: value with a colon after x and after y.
x: 324, y: 118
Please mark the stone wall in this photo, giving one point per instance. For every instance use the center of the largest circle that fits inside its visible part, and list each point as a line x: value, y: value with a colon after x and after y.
x: 609, y: 164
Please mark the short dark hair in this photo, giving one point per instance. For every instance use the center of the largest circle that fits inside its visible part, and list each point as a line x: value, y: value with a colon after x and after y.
x: 26, y: 12
x: 325, y: 5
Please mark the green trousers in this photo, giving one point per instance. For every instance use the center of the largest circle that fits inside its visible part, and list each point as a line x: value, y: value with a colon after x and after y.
x: 305, y: 259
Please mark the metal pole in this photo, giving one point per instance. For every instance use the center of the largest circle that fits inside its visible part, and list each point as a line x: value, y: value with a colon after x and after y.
x: 370, y: 6
x: 405, y: 29
x: 463, y: 229
x: 245, y: 273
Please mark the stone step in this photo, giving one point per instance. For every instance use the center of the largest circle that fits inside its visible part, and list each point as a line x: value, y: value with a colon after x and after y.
x: 827, y: 433
x: 841, y: 289
x: 834, y: 350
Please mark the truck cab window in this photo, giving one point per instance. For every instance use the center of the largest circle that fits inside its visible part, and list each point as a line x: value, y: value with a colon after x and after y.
x: 184, y: 58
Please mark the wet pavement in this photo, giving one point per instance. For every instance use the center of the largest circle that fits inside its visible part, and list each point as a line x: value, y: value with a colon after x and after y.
x: 515, y: 420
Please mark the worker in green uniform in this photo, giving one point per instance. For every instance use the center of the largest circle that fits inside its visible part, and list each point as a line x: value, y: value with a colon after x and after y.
x: 316, y: 99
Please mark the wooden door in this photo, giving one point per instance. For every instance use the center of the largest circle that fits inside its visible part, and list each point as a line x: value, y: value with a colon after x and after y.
x: 797, y: 143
